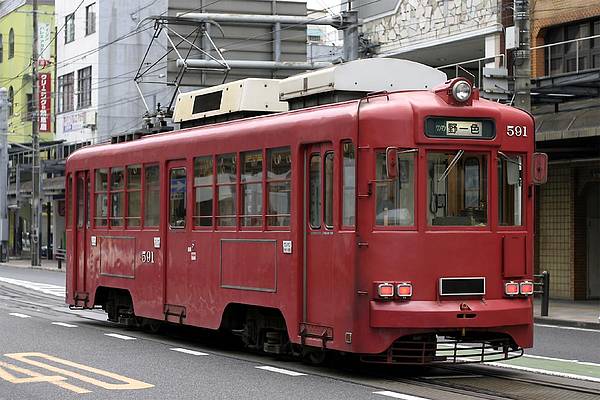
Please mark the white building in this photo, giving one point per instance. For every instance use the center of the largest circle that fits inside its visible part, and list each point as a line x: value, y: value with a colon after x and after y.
x: 99, y: 50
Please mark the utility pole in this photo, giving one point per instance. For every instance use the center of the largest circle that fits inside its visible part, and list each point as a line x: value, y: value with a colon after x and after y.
x: 35, y: 141
x: 522, y: 70
x: 3, y: 175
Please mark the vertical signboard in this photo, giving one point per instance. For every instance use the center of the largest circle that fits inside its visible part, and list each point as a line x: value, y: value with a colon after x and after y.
x: 44, y: 81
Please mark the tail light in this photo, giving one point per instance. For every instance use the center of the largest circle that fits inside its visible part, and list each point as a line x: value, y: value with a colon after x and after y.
x: 385, y: 290
x: 404, y: 290
x: 526, y: 288
x: 511, y: 288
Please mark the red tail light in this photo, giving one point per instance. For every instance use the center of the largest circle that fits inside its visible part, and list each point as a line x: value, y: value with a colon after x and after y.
x: 385, y: 290
x: 527, y: 288
x: 404, y: 289
x: 511, y: 288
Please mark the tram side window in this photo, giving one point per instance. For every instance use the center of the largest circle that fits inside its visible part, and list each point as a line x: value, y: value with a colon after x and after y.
x: 151, y: 196
x: 395, y: 198
x: 457, y: 188
x: 177, y: 197
x: 510, y: 190
x: 69, y: 201
x: 203, y: 191
x: 349, y: 184
x: 117, y: 196
x: 101, y: 198
x: 80, y: 202
x: 328, y: 187
x: 279, y: 188
x: 314, y: 185
x: 251, y: 181
x: 134, y: 198
x: 226, y: 188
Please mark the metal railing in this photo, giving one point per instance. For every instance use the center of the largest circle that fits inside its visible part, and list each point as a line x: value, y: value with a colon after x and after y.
x: 542, y: 286
x: 460, y: 66
x: 565, y: 55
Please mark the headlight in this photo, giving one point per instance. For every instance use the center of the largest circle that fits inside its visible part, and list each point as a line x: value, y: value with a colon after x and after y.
x: 461, y: 91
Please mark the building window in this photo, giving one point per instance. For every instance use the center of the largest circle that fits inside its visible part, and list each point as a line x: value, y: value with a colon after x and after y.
x: 65, y: 93
x: 84, y: 86
x: 226, y: 188
x: 575, y: 55
x: 11, y: 43
x: 134, y: 198
x: 203, y: 191
x: 69, y: 28
x: 30, y: 110
x: 151, y: 196
x: 90, y: 19
x: 349, y: 184
x: 101, y: 198
x: 1, y: 48
x: 11, y: 100
x: 251, y: 188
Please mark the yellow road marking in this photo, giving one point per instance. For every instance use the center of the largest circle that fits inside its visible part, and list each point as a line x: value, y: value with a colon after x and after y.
x: 128, y: 383
x: 36, y: 377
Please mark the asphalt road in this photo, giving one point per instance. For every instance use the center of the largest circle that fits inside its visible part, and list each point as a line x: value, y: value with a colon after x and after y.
x: 49, y: 352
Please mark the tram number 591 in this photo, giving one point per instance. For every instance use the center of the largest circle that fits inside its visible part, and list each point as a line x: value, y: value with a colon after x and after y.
x: 516, y: 130
x: 147, y: 257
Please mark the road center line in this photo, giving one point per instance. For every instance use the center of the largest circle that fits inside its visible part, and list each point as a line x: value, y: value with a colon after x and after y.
x: 64, y: 324
x: 280, y: 370
x: 396, y: 395
x: 188, y: 351
x: 116, y: 335
x: 19, y: 315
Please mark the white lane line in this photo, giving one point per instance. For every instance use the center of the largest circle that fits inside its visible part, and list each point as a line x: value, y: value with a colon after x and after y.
x: 545, y: 372
x: 591, y: 364
x: 54, y: 290
x: 116, y: 335
x: 19, y: 315
x: 396, y: 395
x: 569, y: 328
x: 188, y: 351
x: 280, y: 370
x: 64, y: 324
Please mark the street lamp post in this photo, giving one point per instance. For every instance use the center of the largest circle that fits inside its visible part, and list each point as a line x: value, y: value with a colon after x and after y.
x: 3, y: 175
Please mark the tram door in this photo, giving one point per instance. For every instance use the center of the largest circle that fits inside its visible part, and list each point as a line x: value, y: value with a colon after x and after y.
x: 319, y: 284
x: 177, y: 245
x: 82, y: 225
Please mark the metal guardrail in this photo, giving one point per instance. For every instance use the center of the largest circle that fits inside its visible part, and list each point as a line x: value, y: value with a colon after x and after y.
x: 460, y: 66
x: 60, y: 255
x: 549, y: 47
x: 542, y: 286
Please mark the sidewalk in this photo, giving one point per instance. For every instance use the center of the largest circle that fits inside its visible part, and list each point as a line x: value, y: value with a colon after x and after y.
x: 581, y: 314
x: 48, y: 265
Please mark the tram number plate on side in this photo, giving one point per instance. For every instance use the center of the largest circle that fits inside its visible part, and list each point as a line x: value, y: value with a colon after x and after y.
x: 147, y: 257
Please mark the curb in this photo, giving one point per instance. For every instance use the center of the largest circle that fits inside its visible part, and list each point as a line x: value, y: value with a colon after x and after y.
x: 32, y: 267
x: 569, y: 323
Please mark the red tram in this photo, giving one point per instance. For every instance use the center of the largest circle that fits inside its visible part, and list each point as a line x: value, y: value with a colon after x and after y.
x: 394, y: 227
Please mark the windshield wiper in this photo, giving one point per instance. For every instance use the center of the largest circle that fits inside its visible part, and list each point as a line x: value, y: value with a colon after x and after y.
x: 451, y: 165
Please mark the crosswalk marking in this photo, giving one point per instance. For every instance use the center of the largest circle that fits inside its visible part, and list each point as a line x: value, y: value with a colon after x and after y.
x: 118, y: 336
x: 188, y: 351
x: 280, y: 370
x: 19, y: 315
x: 64, y: 324
x: 54, y: 290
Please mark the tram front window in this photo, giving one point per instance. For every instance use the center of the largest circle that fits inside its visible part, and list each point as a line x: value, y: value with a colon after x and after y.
x: 457, y: 188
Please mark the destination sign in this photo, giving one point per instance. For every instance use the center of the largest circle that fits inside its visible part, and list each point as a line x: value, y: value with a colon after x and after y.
x: 464, y: 128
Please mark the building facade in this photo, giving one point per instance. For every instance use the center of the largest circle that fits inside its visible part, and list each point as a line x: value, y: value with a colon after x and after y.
x: 566, y: 78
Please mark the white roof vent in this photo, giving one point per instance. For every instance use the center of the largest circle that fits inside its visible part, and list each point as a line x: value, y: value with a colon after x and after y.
x: 367, y: 75
x: 238, y: 99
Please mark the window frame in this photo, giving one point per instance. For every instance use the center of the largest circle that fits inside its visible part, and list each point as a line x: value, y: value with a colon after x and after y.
x: 236, y: 201
x: 212, y: 187
x: 328, y: 208
x: 185, y: 198
x: 69, y: 201
x: 523, y: 225
x: 66, y: 98
x: 415, y: 173
x: 90, y: 23
x: 97, y: 192
x: 145, y: 193
x: 242, y: 185
x: 343, y: 225
x: 117, y: 191
x: 129, y: 190
x: 70, y: 33
x: 1, y: 48
x: 266, y: 191
x: 84, y: 87
x: 11, y: 43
